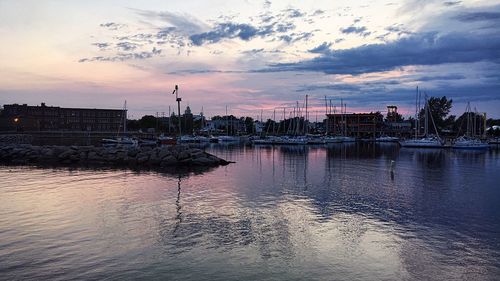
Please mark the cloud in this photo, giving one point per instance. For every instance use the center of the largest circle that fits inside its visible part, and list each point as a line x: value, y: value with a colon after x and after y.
x: 125, y: 56
x: 417, y: 49
x: 225, y: 30
x: 294, y: 13
x: 113, y: 25
x: 127, y: 46
x: 441, y: 77
x: 356, y: 30
x: 137, y: 37
x: 318, y: 12
x: 284, y: 27
x: 452, y: 3
x: 267, y: 4
x: 101, y: 46
x: 332, y: 87
x: 294, y: 37
x: 184, y: 23
x: 253, y: 51
x: 323, y: 48
x: 478, y: 16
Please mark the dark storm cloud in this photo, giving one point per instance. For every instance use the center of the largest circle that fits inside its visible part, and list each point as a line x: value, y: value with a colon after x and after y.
x: 417, y: 49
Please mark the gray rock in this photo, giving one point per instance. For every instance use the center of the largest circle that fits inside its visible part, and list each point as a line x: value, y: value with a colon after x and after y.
x: 154, y: 160
x: 168, y: 161
x: 202, y: 161
x: 183, y: 155
x: 65, y: 154
x: 164, y: 153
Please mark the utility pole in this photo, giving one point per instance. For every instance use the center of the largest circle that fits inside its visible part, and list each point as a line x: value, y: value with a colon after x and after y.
x: 176, y: 91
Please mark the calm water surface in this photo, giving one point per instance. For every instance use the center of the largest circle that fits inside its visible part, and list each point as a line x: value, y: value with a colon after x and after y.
x: 283, y: 213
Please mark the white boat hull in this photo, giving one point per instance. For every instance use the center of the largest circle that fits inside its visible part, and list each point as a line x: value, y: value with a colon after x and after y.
x: 422, y: 143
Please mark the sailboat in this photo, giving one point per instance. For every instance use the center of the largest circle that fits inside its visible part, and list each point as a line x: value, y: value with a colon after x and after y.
x: 227, y: 138
x: 428, y: 141
x: 121, y: 140
x: 469, y: 141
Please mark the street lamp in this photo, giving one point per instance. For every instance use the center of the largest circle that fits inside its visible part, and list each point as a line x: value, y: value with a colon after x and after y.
x: 16, y: 121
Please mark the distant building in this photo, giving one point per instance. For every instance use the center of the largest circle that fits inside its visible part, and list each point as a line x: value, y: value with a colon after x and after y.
x: 228, y: 124
x: 53, y: 118
x: 259, y: 126
x: 395, y: 125
x: 355, y: 124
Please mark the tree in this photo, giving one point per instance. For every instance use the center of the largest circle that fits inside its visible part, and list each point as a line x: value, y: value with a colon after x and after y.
x: 147, y: 121
x: 249, y: 125
x: 439, y: 108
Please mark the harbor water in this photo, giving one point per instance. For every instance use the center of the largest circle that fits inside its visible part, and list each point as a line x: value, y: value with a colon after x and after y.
x: 336, y: 212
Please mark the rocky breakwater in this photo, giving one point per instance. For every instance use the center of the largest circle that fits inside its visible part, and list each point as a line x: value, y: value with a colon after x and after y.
x: 143, y: 157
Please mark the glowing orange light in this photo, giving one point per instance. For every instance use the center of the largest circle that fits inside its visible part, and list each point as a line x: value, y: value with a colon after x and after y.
x: 16, y: 119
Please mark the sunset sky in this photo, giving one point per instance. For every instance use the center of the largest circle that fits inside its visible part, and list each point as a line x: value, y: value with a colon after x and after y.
x: 249, y: 55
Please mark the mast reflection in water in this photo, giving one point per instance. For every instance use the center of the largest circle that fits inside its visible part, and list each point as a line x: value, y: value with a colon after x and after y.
x: 278, y: 213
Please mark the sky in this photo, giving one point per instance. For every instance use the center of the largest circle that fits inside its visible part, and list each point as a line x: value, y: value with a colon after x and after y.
x: 250, y: 56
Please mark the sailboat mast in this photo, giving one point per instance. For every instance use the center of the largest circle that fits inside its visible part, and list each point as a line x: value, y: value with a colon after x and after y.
x: 342, y: 116
x: 326, y: 114
x: 334, y: 119
x: 468, y: 119
x: 416, y: 113
x: 274, y: 121
x: 227, y: 123
x: 284, y: 119
x: 306, y: 127
x: 345, y: 119
x: 125, y: 117
x: 426, y: 124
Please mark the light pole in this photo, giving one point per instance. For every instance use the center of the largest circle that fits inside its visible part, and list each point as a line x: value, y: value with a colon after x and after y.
x: 176, y: 91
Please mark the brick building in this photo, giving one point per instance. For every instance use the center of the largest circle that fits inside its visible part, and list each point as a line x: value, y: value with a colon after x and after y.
x: 355, y: 124
x: 53, y: 118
